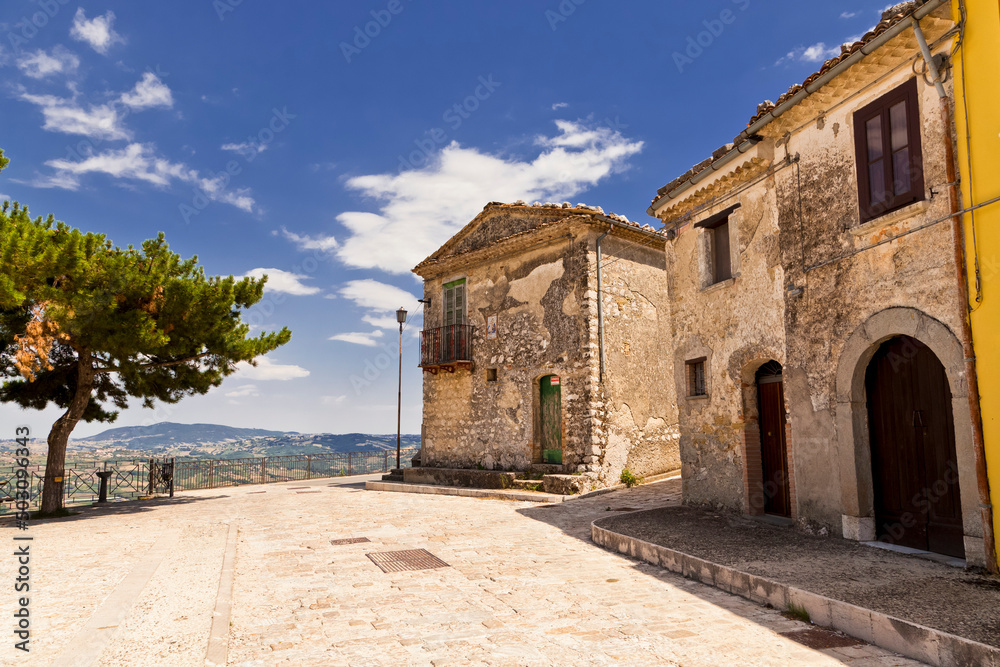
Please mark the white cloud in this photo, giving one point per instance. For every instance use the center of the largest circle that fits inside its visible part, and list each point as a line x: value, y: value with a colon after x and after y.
x: 283, y: 281
x: 376, y: 296
x: 244, y: 390
x: 817, y: 53
x: 268, y: 370
x: 67, y: 116
x: 99, y: 31
x: 358, y: 338
x: 382, y: 321
x: 149, y: 92
x: 101, y: 121
x: 245, y: 148
x: 381, y: 300
x: 848, y: 15
x: 39, y: 64
x: 333, y: 400
x: 139, y: 162
x: 324, y: 243
x: 559, y: 105
x: 5, y: 197
x: 420, y: 209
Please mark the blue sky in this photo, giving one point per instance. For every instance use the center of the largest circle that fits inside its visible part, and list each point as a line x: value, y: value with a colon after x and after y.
x: 335, y: 145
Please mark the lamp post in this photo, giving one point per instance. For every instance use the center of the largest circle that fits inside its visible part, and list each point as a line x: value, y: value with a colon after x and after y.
x: 401, y: 318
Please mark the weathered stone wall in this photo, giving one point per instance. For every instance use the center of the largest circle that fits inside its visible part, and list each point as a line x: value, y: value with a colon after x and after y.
x: 810, y: 276
x: 736, y: 326
x: 541, y: 330
x: 637, y: 425
x: 820, y: 223
x: 542, y: 287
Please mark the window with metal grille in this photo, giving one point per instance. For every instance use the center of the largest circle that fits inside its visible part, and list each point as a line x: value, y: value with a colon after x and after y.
x: 696, y: 377
x: 887, y: 148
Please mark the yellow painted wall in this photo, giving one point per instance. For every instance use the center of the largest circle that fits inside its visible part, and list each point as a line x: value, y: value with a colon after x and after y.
x: 978, y: 114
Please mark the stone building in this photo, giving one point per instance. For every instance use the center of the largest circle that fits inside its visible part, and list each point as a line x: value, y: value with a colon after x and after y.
x: 819, y: 359
x: 535, y: 357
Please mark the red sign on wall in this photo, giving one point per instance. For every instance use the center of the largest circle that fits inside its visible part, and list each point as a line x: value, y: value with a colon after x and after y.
x: 554, y: 381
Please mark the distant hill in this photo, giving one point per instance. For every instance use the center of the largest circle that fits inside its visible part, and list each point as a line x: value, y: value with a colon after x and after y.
x: 166, y: 433
x: 212, y: 441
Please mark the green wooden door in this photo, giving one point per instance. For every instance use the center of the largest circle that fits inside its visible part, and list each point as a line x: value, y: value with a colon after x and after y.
x: 551, y: 416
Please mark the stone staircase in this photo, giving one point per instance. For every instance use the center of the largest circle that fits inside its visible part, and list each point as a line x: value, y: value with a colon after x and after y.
x: 395, y: 475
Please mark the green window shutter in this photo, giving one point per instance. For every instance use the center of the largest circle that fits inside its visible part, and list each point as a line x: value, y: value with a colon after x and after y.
x: 454, y: 302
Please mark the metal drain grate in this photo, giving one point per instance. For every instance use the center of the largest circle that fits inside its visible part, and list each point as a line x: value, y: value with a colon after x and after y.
x: 820, y: 639
x: 404, y: 561
x: 307, y: 492
x: 349, y: 540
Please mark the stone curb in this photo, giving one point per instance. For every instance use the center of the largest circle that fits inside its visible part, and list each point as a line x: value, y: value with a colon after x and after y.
x: 918, y: 642
x: 435, y: 490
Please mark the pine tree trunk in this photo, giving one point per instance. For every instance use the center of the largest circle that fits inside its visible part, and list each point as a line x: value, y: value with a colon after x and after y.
x: 52, y: 490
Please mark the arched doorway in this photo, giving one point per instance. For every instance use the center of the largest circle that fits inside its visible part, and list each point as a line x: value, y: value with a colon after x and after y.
x: 912, y: 434
x: 550, y: 418
x: 773, y: 443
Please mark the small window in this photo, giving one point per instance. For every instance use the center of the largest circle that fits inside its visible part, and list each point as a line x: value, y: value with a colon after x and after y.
x: 722, y: 266
x: 716, y: 247
x: 887, y: 149
x: 696, y: 377
x: 454, y: 302
x: 491, y: 375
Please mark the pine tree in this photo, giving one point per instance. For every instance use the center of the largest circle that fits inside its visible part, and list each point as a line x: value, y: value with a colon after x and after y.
x: 85, y: 325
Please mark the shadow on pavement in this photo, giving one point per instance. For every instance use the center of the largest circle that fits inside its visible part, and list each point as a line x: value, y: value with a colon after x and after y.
x: 574, y: 518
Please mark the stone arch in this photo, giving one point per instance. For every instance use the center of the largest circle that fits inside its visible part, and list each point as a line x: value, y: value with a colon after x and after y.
x: 854, y: 447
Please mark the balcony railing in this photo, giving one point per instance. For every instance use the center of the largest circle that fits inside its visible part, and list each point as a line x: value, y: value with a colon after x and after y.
x: 446, y: 348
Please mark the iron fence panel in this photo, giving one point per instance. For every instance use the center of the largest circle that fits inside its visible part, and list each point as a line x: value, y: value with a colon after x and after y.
x: 131, y: 477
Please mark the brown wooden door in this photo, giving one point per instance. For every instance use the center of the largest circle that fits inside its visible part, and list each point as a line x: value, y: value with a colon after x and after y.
x: 774, y: 448
x: 914, y: 467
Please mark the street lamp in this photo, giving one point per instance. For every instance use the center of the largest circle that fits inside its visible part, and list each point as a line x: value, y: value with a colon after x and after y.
x: 401, y: 318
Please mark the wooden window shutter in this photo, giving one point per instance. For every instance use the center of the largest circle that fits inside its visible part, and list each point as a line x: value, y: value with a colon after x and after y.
x: 888, y: 152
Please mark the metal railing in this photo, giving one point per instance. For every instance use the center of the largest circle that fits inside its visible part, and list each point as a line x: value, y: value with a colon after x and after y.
x: 130, y: 478
x: 446, y: 345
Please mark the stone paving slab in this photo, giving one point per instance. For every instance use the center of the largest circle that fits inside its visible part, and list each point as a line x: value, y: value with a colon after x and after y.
x: 441, y: 490
x: 524, y: 585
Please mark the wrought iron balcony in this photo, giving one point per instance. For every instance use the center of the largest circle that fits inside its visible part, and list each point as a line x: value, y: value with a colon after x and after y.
x: 446, y: 348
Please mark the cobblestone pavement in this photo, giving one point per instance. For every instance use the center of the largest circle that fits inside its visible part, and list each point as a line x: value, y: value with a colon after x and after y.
x: 139, y: 583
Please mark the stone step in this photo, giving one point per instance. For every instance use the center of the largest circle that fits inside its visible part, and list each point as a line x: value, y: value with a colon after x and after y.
x: 527, y: 484
x: 395, y: 475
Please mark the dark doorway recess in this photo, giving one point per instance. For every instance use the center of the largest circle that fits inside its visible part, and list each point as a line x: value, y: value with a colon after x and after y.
x: 914, y: 467
x: 773, y: 444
